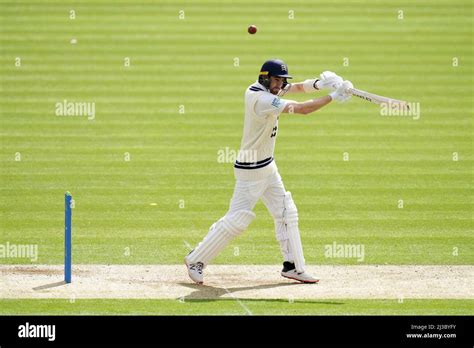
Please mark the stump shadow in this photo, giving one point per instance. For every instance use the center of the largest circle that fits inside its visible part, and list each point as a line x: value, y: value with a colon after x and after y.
x: 50, y: 285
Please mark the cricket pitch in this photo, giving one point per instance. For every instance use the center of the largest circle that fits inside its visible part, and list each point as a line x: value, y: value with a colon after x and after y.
x: 237, y: 281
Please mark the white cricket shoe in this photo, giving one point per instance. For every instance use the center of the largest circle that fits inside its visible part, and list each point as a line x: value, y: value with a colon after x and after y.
x: 289, y: 271
x: 195, y: 271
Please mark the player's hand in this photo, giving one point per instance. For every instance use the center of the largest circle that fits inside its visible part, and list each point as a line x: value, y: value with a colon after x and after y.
x: 341, y: 94
x: 329, y: 80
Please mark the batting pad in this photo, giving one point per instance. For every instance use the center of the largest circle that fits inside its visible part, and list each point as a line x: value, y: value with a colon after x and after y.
x: 290, y: 216
x: 220, y: 234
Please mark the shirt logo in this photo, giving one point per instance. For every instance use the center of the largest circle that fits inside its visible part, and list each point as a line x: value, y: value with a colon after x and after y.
x: 276, y: 102
x: 274, y: 132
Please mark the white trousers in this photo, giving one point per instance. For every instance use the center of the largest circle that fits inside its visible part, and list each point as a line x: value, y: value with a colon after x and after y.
x: 271, y: 191
x: 246, y: 195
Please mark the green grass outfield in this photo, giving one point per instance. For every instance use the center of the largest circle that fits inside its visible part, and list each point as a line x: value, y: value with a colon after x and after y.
x: 173, y: 157
x: 232, y: 307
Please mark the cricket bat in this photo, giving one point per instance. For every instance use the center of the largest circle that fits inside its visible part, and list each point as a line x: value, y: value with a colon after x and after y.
x: 378, y: 99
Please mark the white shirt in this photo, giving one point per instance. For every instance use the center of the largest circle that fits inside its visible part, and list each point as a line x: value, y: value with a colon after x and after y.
x: 262, y: 110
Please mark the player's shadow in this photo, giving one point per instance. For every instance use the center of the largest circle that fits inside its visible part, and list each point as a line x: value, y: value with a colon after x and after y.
x: 213, y: 293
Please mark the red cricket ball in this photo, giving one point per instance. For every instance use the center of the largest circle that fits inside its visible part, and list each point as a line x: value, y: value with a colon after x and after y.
x: 252, y: 29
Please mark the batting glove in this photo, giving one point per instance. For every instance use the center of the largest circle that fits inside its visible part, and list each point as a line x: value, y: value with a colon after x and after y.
x: 329, y: 80
x: 342, y: 94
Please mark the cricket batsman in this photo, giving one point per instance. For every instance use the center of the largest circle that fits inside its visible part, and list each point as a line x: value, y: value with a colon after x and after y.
x: 256, y: 172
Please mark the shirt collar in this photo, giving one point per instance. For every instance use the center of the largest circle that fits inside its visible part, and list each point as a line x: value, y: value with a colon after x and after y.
x: 259, y: 85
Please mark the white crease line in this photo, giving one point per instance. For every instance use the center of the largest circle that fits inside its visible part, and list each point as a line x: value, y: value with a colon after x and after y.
x: 227, y: 290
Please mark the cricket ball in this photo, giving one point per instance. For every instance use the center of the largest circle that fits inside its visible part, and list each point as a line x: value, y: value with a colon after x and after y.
x: 252, y: 29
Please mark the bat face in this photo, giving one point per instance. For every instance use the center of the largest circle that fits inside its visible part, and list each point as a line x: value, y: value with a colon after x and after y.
x: 378, y: 99
x: 364, y: 97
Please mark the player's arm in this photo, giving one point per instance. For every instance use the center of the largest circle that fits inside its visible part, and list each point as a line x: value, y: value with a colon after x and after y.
x: 341, y: 95
x: 298, y: 87
x: 327, y: 80
x: 308, y: 106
